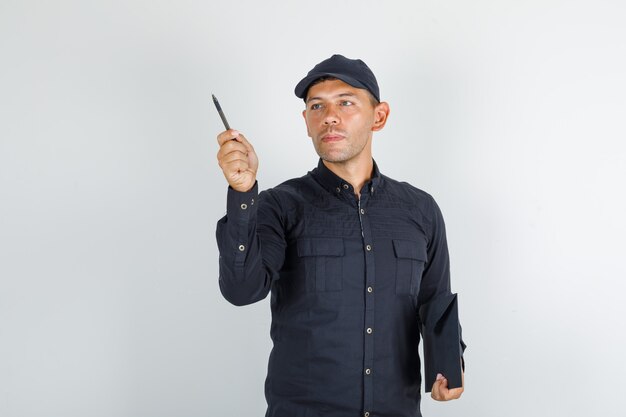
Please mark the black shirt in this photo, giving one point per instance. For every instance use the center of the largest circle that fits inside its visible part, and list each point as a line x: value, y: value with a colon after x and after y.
x: 347, y: 277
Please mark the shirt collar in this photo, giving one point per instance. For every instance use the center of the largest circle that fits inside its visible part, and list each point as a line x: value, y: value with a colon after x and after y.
x: 336, y: 184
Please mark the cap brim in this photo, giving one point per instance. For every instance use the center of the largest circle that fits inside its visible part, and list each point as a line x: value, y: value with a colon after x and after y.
x: 303, y: 86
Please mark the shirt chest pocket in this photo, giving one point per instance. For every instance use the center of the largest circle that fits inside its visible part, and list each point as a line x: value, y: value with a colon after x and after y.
x: 323, y: 263
x: 410, y: 260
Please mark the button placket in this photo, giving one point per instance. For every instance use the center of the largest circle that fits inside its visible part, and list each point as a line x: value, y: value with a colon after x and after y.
x: 368, y: 328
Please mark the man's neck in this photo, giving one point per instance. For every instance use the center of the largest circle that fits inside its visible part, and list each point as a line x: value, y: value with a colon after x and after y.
x: 356, y: 172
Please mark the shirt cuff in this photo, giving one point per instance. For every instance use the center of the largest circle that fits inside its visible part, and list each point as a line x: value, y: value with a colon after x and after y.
x: 242, y: 204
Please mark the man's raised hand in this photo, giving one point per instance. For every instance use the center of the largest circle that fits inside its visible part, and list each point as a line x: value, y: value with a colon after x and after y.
x: 238, y: 160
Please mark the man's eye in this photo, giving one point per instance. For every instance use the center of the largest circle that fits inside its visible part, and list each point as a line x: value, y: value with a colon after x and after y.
x: 316, y: 106
x: 346, y: 103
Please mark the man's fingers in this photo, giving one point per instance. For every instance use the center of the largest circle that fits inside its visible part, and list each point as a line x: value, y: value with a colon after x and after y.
x: 235, y: 161
x: 229, y: 143
x: 231, y: 147
x: 236, y: 152
x: 441, y: 392
x: 452, y: 394
x: 227, y: 135
x: 435, y: 391
x: 235, y: 136
x: 250, y: 153
x: 242, y: 139
x: 444, y: 384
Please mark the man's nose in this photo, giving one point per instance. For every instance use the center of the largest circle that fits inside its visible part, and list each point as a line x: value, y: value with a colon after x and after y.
x: 331, y: 117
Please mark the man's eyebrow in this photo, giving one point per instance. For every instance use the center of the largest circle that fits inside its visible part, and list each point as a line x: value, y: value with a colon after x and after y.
x: 338, y: 95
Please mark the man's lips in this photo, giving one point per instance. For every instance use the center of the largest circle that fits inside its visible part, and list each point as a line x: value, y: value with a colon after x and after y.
x: 332, y: 137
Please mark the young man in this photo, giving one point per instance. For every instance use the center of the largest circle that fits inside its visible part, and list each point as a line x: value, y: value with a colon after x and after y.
x: 351, y: 258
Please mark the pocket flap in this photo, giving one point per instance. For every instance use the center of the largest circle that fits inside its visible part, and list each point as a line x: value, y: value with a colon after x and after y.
x: 410, y: 249
x: 321, y: 246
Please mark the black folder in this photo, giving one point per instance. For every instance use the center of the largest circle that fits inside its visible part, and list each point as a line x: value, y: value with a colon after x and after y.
x: 441, y: 333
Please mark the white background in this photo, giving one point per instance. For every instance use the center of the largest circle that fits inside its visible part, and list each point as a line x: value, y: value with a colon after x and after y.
x: 511, y: 113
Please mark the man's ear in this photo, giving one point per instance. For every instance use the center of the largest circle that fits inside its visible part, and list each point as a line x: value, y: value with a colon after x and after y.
x: 308, y: 132
x: 381, y: 113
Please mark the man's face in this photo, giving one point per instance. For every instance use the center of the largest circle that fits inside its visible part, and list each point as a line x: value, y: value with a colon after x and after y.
x: 340, y: 120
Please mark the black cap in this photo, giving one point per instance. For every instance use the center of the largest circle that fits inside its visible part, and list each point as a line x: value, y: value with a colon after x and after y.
x: 351, y: 71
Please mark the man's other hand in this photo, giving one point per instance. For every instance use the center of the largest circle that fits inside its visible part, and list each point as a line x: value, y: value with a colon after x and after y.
x: 441, y: 392
x: 238, y: 160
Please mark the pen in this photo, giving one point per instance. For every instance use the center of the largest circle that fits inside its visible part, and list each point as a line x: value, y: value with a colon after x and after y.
x: 221, y: 113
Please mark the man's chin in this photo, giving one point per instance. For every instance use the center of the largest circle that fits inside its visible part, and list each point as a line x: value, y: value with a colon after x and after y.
x: 333, y: 158
x: 334, y: 155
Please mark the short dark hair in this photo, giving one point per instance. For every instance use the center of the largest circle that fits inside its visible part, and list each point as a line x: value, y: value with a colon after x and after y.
x: 331, y: 78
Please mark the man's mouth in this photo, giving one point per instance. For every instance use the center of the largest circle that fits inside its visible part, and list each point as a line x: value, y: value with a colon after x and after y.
x: 332, y: 137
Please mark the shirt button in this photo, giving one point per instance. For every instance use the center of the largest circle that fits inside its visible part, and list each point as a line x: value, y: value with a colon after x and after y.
x: 368, y: 247
x: 370, y: 289
x: 346, y: 186
x: 338, y: 189
x: 362, y: 211
x: 368, y: 371
x: 242, y: 248
x: 366, y: 414
x: 369, y: 330
x: 244, y: 206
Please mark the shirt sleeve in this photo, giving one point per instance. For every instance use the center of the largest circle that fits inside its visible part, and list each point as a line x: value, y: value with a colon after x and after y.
x: 436, y: 277
x: 252, y: 251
